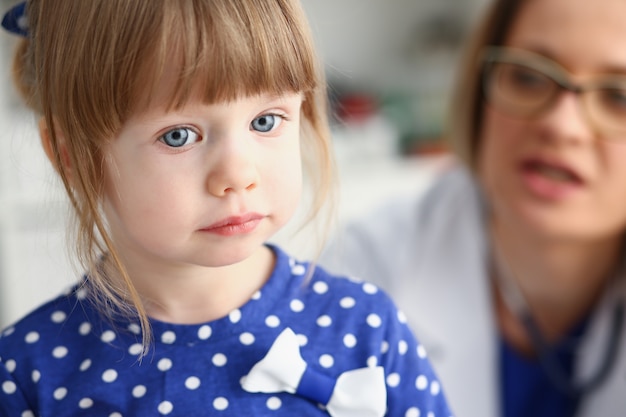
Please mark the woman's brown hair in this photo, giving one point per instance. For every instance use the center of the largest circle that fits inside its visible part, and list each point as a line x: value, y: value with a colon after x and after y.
x: 466, y: 112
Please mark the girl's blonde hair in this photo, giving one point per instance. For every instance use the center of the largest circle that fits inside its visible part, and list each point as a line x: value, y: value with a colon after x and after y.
x: 88, y: 65
x: 468, y: 101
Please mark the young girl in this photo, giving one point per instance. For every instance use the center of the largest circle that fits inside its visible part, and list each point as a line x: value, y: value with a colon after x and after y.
x: 175, y: 127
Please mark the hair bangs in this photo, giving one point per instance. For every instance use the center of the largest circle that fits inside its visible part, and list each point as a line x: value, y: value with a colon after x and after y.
x: 227, y: 52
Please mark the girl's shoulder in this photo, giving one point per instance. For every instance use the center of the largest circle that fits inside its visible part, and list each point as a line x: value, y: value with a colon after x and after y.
x: 67, y: 314
x: 328, y: 291
x: 316, y: 299
x: 346, y: 323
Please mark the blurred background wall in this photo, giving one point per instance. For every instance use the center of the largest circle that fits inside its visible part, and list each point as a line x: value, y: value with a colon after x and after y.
x: 389, y: 65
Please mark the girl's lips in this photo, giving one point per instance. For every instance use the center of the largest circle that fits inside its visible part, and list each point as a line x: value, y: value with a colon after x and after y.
x: 549, y: 180
x: 235, y: 225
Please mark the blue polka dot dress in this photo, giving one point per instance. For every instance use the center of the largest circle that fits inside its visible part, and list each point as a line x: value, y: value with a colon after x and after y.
x: 64, y: 360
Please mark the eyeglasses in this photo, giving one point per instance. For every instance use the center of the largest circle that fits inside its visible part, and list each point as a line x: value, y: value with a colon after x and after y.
x: 526, y: 85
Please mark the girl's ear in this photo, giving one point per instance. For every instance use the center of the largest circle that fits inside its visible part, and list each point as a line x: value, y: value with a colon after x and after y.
x: 46, y: 141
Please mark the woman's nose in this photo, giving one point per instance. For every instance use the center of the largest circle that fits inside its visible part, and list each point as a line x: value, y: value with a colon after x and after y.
x: 234, y: 169
x: 567, y: 121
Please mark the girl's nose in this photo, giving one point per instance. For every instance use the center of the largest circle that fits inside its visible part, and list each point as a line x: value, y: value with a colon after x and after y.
x: 234, y: 169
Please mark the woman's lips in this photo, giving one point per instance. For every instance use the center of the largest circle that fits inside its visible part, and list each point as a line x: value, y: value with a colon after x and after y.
x: 235, y: 225
x: 549, y: 180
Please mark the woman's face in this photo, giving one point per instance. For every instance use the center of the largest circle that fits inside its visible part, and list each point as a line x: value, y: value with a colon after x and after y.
x: 554, y: 175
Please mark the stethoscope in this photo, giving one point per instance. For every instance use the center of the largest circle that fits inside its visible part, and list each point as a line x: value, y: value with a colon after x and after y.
x: 575, y: 390
x: 572, y: 389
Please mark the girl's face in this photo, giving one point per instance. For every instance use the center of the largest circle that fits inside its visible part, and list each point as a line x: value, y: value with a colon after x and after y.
x: 554, y: 175
x: 204, y: 185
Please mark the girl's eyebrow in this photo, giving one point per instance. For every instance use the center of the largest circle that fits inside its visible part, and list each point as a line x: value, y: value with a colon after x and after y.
x: 279, y: 97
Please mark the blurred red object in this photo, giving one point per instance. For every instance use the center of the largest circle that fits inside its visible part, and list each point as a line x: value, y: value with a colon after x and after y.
x: 356, y: 107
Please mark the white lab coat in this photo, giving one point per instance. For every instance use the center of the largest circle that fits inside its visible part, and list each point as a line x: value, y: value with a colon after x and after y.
x: 430, y: 253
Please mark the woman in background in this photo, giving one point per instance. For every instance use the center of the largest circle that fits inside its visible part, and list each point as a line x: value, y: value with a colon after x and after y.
x: 510, y: 267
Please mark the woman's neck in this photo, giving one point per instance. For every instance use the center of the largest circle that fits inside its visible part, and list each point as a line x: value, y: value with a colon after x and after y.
x: 560, y: 280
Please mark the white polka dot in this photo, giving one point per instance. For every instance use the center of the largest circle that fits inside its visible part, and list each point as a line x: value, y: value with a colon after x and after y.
x: 165, y: 407
x: 320, y: 287
x: 296, y: 306
x: 164, y: 364
x: 327, y: 361
x: 256, y: 295
x: 401, y: 317
x: 246, y: 338
x: 412, y: 412
x: 421, y: 351
x: 85, y: 403
x: 219, y: 359
x: 10, y: 365
x: 32, y: 337
x: 108, y: 336
x: 84, y: 328
x: 235, y: 316
x: 35, y: 376
x: 298, y: 270
x: 168, y: 337
x: 431, y: 414
x: 139, y: 391
x: 393, y: 380
x: 115, y: 415
x: 349, y: 340
x: 204, y: 332
x: 58, y: 316
x: 374, y: 320
x: 273, y: 403
x: 347, y: 302
x: 9, y: 331
x: 81, y: 294
x: 59, y: 352
x: 85, y: 365
x: 135, y: 349
x: 109, y: 375
x: 302, y: 340
x: 193, y: 382
x: 59, y: 393
x: 28, y: 413
x: 272, y: 321
x: 370, y: 288
x: 384, y: 347
x: 324, y: 321
x: 134, y: 328
x: 435, y: 388
x: 403, y: 347
x: 372, y: 362
x: 421, y: 382
x: 220, y: 403
x: 9, y: 387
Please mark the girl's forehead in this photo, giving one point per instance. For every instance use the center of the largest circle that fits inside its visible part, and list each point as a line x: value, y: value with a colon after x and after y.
x: 181, y: 70
x: 170, y: 91
x: 197, y: 105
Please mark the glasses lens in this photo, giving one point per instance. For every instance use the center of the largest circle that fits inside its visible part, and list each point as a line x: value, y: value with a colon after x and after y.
x: 607, y: 107
x: 518, y: 89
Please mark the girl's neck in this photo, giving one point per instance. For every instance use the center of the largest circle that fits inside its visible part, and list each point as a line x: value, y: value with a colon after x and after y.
x: 560, y: 280
x: 196, y: 294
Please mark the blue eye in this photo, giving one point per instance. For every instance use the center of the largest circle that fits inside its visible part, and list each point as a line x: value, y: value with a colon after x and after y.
x: 266, y: 123
x: 179, y: 136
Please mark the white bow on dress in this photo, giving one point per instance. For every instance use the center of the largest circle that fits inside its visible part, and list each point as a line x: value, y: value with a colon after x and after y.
x: 357, y: 393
